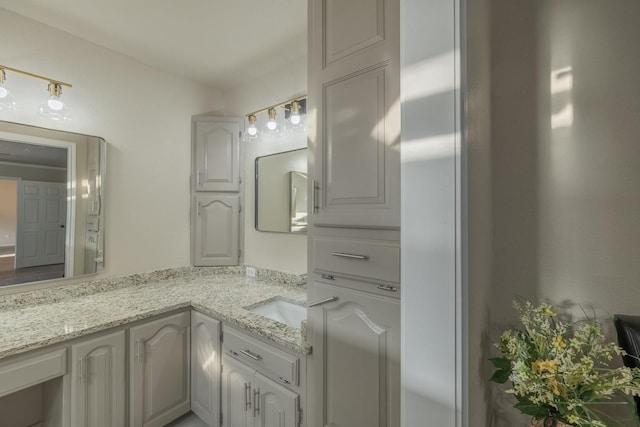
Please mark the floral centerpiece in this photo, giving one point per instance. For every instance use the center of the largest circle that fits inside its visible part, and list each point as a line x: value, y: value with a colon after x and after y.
x: 560, y: 370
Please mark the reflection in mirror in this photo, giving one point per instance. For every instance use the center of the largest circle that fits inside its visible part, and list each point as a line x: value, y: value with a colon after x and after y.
x: 51, y: 204
x: 281, y: 192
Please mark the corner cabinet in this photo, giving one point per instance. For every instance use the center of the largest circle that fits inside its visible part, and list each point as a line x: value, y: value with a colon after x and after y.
x: 217, y: 189
x: 159, y: 375
x: 98, y: 382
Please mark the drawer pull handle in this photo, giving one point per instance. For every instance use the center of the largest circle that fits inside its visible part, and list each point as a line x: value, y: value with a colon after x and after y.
x: 233, y: 353
x: 352, y: 256
x: 324, y: 301
x: 251, y: 355
x: 387, y: 288
x: 328, y: 277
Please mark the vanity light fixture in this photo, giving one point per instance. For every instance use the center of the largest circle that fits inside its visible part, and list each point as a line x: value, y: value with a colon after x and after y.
x: 294, y: 109
x: 7, y: 101
x: 251, y: 134
x: 53, y: 108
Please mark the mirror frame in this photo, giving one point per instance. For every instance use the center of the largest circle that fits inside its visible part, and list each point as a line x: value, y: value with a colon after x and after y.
x: 35, y: 135
x: 257, y: 191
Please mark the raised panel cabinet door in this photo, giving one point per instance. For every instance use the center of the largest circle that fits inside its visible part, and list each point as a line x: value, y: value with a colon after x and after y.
x: 159, y: 383
x: 274, y: 405
x: 355, y: 362
x: 216, y: 152
x: 205, y: 368
x: 215, y: 230
x: 98, y: 382
x: 237, y: 393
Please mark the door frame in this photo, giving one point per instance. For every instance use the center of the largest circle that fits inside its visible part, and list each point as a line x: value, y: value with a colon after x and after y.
x: 69, y: 246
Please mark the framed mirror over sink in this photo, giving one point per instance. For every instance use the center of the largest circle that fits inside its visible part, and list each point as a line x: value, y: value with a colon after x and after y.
x: 281, y: 192
x: 51, y: 204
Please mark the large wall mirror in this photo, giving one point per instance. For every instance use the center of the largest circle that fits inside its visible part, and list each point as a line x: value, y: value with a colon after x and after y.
x: 51, y: 204
x: 281, y: 192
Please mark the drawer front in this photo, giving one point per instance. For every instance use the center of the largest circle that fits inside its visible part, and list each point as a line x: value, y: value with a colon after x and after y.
x: 357, y: 258
x: 32, y: 370
x: 279, y: 365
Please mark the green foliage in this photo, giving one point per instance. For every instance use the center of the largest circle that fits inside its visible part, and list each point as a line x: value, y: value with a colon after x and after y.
x: 560, y: 370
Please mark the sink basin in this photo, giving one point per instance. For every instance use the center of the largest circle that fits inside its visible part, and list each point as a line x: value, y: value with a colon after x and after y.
x: 282, y: 311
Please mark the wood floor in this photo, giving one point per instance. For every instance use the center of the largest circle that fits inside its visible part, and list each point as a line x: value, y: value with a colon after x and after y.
x: 10, y: 276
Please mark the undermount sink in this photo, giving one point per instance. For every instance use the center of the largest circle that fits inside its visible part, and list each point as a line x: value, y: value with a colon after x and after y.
x: 282, y: 311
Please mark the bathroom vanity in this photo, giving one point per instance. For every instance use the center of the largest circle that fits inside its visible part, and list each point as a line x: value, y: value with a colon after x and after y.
x: 150, y: 350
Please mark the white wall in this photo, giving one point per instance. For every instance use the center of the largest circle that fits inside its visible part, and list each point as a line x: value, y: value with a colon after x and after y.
x: 145, y: 116
x: 285, y: 252
x: 565, y: 108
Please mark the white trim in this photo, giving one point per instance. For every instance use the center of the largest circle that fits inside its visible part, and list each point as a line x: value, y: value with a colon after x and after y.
x: 27, y: 165
x: 71, y: 186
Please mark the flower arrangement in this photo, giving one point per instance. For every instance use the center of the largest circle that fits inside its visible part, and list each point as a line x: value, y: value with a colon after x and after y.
x: 559, y: 370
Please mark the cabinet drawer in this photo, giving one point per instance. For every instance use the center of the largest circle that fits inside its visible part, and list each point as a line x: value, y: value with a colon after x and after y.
x: 267, y: 359
x: 32, y: 370
x: 357, y: 258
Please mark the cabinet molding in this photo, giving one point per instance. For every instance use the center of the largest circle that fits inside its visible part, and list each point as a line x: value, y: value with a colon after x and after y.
x: 216, y: 231
x: 205, y: 368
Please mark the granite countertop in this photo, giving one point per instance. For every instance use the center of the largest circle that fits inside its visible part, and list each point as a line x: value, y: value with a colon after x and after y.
x: 223, y: 294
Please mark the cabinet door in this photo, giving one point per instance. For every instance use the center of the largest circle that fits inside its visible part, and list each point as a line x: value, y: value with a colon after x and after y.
x: 205, y: 368
x: 159, y: 371
x: 237, y: 393
x: 354, y: 129
x: 216, y: 151
x: 274, y: 405
x: 356, y: 359
x: 98, y: 382
x: 215, y: 230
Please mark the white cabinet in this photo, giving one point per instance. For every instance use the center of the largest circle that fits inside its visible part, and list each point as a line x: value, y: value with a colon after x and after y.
x: 216, y: 149
x: 216, y: 229
x: 250, y: 399
x: 98, y: 382
x: 354, y: 129
x: 159, y: 378
x: 355, y: 359
x: 217, y: 189
x: 205, y: 368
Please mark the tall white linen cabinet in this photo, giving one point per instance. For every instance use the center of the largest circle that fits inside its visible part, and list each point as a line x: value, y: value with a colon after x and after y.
x: 354, y: 237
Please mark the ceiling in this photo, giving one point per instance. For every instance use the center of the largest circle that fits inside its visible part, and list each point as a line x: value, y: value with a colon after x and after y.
x: 19, y: 152
x: 220, y: 43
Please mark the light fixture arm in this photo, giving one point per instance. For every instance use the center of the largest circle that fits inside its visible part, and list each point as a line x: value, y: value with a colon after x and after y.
x: 35, y: 76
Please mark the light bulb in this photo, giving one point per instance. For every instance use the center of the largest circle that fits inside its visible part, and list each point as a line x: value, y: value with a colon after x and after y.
x: 295, y: 118
x: 3, y: 92
x: 251, y: 133
x: 252, y: 130
x: 271, y: 128
x: 7, y: 102
x: 55, y: 103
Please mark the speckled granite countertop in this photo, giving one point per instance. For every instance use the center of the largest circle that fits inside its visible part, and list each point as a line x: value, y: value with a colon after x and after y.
x: 34, y: 320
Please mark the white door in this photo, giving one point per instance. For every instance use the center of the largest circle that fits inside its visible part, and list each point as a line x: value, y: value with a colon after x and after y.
x: 216, y: 230
x: 355, y: 359
x: 159, y: 364
x: 42, y: 215
x: 205, y: 368
x: 216, y: 148
x: 98, y: 385
x: 237, y: 394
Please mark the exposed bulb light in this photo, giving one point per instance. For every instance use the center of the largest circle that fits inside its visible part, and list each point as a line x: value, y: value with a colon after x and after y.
x: 54, y: 108
x: 271, y: 128
x: 7, y: 101
x: 295, y: 117
x: 251, y: 134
